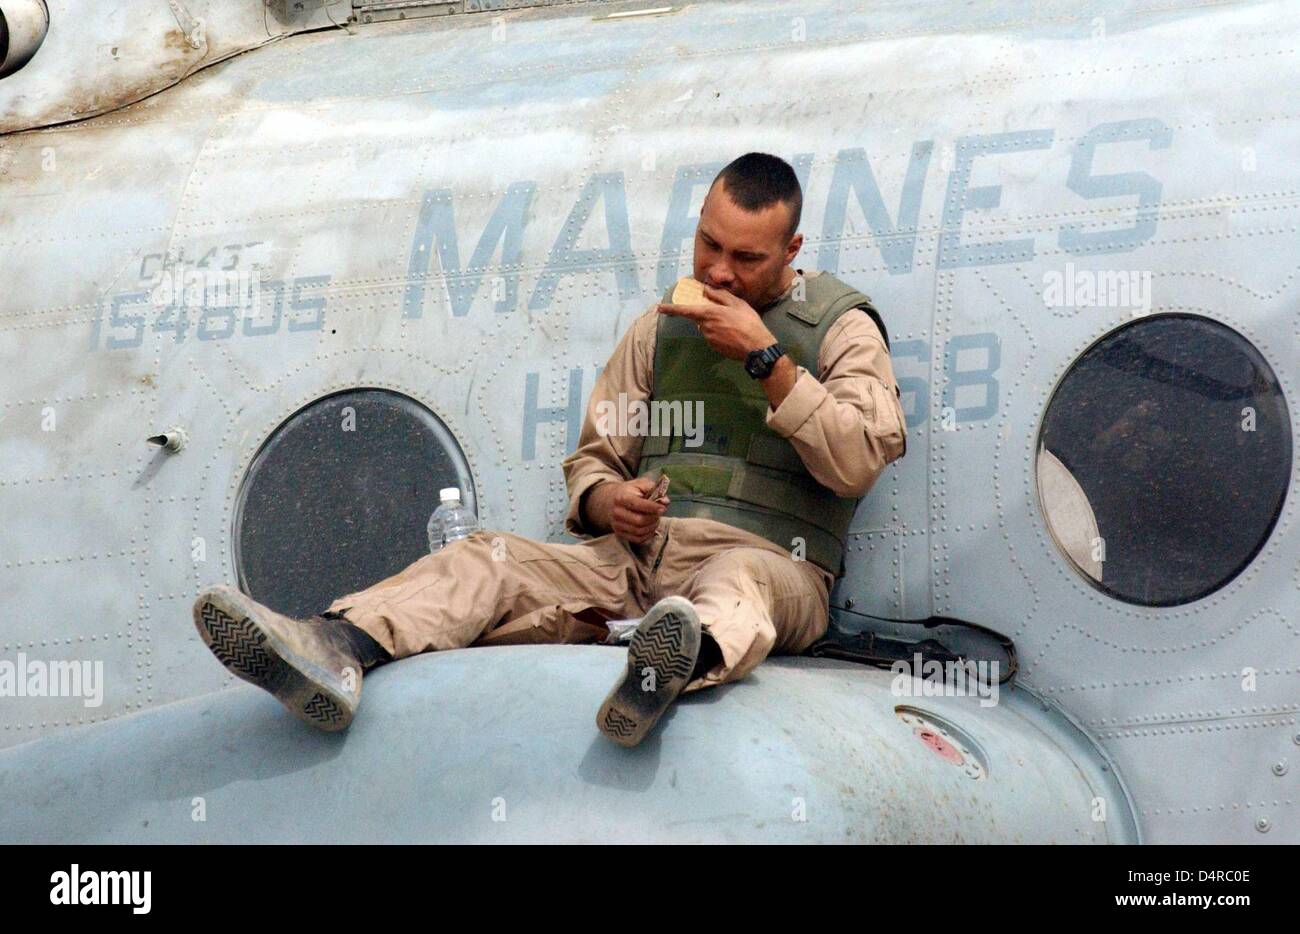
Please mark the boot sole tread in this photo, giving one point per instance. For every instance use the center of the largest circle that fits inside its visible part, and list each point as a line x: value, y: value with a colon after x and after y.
x: 253, y: 654
x: 668, y: 646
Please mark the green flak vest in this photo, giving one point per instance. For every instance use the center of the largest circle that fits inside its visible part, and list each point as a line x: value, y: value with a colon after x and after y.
x: 742, y: 473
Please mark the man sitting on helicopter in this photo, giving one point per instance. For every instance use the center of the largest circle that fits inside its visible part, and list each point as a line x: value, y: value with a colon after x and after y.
x: 791, y: 374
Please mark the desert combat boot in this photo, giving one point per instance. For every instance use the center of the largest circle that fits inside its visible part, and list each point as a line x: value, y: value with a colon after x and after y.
x: 313, y: 667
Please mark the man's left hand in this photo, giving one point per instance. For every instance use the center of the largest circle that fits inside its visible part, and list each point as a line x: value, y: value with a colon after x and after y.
x: 730, y: 325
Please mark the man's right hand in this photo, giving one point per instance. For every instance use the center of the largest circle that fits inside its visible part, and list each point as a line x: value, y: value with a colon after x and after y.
x: 626, y: 509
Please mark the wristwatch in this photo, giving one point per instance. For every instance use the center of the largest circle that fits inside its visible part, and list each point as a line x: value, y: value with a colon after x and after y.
x: 759, y: 363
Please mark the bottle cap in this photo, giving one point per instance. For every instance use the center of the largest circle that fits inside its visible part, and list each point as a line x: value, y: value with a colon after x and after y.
x: 450, y: 494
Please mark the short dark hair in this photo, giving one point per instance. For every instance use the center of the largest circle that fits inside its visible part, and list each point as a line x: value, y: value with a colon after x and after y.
x: 757, y: 180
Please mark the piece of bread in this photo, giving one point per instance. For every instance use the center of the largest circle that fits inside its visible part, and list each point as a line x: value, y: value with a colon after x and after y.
x: 689, y: 291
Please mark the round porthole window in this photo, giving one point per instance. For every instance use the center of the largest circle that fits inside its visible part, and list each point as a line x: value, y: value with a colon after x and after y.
x: 1164, y: 459
x: 339, y: 497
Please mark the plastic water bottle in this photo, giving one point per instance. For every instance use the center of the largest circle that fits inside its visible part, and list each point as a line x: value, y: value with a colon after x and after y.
x: 450, y: 521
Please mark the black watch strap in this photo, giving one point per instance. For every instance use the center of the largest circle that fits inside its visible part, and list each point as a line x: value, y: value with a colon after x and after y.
x: 759, y: 363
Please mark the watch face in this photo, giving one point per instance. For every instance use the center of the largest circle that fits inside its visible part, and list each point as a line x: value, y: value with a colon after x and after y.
x: 757, y: 364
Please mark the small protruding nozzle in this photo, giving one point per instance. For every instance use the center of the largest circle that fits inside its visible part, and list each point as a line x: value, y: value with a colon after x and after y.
x: 171, y: 440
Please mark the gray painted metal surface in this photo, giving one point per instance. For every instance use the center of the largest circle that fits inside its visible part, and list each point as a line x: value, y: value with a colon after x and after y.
x: 951, y: 156
x: 97, y: 57
x: 496, y: 745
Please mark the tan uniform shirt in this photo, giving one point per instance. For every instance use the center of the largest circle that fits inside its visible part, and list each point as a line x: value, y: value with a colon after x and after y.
x: 847, y: 427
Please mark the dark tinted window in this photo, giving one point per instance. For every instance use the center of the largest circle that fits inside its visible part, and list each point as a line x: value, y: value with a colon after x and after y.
x: 1171, y: 440
x: 334, y: 502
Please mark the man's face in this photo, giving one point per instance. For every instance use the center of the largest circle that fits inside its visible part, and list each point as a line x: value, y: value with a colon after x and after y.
x: 743, y: 252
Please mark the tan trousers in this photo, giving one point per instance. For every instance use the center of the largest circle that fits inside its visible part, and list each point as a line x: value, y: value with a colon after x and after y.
x: 496, y: 588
